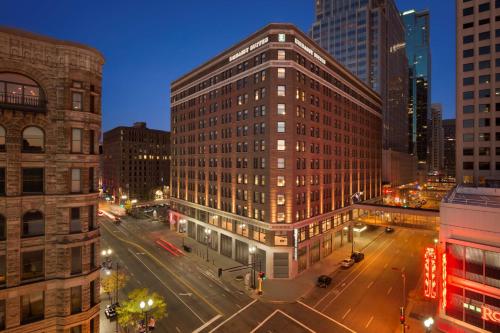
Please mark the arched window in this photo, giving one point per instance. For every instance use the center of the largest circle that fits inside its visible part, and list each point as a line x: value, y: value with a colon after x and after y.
x: 18, y: 89
x: 2, y: 227
x: 2, y: 138
x: 33, y: 224
x: 33, y: 140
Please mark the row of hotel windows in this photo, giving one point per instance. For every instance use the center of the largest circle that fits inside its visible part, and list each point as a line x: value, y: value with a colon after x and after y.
x: 32, y: 307
x: 33, y: 180
x: 469, y: 137
x: 33, y: 140
x: 481, y: 122
x: 483, y: 93
x: 480, y: 8
x: 480, y: 165
x: 484, y: 64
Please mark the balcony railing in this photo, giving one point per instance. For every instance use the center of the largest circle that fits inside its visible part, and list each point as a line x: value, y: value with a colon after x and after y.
x: 22, y: 102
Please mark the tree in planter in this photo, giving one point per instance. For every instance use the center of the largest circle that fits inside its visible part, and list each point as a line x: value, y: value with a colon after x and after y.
x: 130, y: 312
x: 114, y: 282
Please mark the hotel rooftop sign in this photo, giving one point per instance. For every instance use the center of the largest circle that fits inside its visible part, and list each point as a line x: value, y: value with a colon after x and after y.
x: 249, y: 49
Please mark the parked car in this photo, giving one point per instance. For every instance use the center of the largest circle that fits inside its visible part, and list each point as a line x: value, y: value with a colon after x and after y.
x: 389, y: 229
x: 323, y: 281
x: 110, y: 310
x: 357, y: 256
x: 347, y: 262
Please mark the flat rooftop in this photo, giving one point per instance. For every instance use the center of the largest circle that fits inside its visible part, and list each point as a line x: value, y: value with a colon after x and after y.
x: 475, y: 196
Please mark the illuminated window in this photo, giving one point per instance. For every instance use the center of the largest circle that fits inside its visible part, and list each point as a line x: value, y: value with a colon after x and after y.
x: 281, y: 181
x: 280, y: 199
x: 281, y: 163
x: 281, y: 54
x: 76, y: 181
x: 281, y: 127
x: 77, y: 101
x: 280, y: 217
x: 281, y: 144
x: 281, y: 73
x: 76, y: 140
x: 281, y: 90
x: 281, y: 109
x: 281, y: 37
x: 33, y: 140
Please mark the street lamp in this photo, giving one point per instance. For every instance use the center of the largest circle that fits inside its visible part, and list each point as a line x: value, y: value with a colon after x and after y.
x: 428, y: 324
x: 107, y: 260
x: 207, y: 237
x: 142, y: 305
x: 252, y: 250
x: 403, y: 276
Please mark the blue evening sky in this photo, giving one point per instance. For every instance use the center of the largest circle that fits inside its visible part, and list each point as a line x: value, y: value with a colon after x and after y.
x: 147, y: 44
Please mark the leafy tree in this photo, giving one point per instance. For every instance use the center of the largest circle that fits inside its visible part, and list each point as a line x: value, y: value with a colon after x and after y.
x: 130, y: 313
x: 116, y: 280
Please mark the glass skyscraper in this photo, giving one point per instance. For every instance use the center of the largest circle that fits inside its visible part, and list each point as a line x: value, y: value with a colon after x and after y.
x: 419, y: 93
x: 368, y: 38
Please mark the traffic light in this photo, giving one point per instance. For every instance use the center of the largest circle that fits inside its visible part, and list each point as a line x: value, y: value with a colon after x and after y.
x: 220, y: 272
x: 402, y: 315
x: 262, y: 275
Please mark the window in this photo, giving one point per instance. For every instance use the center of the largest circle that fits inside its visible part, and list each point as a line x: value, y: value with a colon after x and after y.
x: 468, y: 151
x: 281, y: 127
x: 484, y: 165
x: 468, y: 109
x: 468, y: 53
x: 2, y: 139
x: 281, y: 73
x: 281, y: 90
x: 484, y: 7
x: 467, y: 25
x: 92, y: 292
x: 468, y: 95
x: 281, y: 181
x: 92, y: 142
x: 91, y: 180
x: 484, y: 21
x: 468, y: 67
x: 281, y: 109
x: 76, y: 260
x: 76, y: 181
x: 280, y: 199
x: 468, y: 11
x: 33, y: 180
x: 2, y: 314
x: 32, y: 307
x: 280, y: 217
x: 281, y: 37
x: 484, y: 122
x: 2, y: 181
x: 484, y: 79
x: 33, y: 223
x: 468, y: 123
x: 280, y: 163
x: 281, y: 54
x: 484, y: 50
x: 484, y: 151
x: 485, y: 93
x: 484, y: 108
x: 77, y: 101
x: 2, y: 270
x: 76, y: 329
x: 484, y: 35
x: 76, y: 140
x: 33, y: 140
x: 484, y: 64
x: 75, y: 224
x: 32, y: 265
x: 468, y: 137
x: 467, y: 81
x: 468, y: 165
x: 76, y: 299
x: 280, y: 144
x: 484, y: 137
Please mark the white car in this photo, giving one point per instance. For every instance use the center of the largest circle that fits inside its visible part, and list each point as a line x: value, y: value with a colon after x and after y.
x: 347, y: 262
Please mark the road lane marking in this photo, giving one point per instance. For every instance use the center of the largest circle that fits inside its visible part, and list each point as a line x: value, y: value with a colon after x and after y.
x: 208, y: 323
x: 345, y: 314
x: 160, y: 263
x: 369, y: 322
x: 175, y: 294
x: 348, y: 275
x: 177, y: 329
x: 234, y: 315
x: 389, y: 291
x: 354, y: 279
x: 370, y: 284
x: 327, y: 317
x: 283, y: 313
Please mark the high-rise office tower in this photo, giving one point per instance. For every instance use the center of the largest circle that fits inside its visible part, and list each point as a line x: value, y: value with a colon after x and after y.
x: 436, y: 144
x: 419, y: 74
x: 50, y: 123
x: 449, y: 139
x: 478, y: 92
x: 272, y: 140
x: 368, y: 38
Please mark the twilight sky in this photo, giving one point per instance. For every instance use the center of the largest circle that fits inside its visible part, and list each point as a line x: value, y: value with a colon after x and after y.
x: 149, y: 43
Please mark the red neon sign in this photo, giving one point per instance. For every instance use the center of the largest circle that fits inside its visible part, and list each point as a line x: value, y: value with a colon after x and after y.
x: 490, y: 315
x: 443, y: 276
x: 430, y: 284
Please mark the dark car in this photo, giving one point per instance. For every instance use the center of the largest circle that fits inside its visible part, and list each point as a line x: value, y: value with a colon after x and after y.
x: 324, y: 281
x: 357, y: 256
x: 110, y: 310
x: 389, y: 229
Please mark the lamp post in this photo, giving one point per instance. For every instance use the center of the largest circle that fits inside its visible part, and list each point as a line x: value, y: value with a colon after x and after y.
x: 252, y: 250
x: 403, y: 276
x: 207, y: 238
x: 142, y: 305
x: 428, y: 324
x: 106, y: 253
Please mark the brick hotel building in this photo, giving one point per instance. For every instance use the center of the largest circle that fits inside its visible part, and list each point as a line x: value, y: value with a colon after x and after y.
x: 270, y: 140
x: 50, y: 123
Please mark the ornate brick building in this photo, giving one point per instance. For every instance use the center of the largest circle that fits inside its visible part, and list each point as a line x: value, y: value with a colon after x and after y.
x: 50, y: 122
x: 270, y: 142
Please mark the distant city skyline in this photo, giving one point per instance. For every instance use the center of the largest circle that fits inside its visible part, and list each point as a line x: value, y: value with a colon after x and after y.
x: 145, y: 48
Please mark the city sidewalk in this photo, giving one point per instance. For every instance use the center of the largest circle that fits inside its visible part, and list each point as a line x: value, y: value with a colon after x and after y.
x: 276, y: 290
